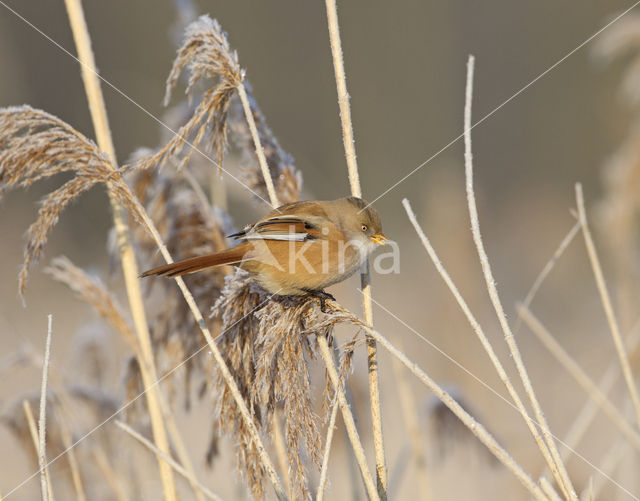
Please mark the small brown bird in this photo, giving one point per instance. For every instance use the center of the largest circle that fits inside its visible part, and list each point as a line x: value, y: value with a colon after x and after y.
x: 298, y: 248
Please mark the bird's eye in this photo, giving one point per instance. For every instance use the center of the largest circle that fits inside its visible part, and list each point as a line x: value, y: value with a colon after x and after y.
x: 364, y: 227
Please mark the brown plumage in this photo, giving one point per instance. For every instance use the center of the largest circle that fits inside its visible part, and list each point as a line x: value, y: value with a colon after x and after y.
x: 297, y: 248
x: 191, y: 265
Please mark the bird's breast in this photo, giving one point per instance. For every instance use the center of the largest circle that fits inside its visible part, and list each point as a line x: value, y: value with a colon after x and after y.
x: 294, y: 267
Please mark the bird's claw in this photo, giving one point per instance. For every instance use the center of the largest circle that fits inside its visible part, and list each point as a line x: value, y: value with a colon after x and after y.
x: 322, y: 296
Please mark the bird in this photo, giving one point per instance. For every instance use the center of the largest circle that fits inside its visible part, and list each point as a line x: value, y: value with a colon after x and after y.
x: 298, y: 248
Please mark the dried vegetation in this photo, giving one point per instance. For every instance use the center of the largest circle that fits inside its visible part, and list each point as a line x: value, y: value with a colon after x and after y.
x: 273, y: 346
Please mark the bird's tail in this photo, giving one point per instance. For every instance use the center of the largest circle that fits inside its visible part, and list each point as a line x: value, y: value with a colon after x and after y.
x: 191, y: 265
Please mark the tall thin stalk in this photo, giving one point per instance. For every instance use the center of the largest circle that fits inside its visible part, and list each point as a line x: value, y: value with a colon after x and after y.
x: 589, y: 410
x: 327, y: 450
x: 47, y: 492
x: 607, y: 305
x: 580, y: 376
x: 537, y: 283
x: 477, y: 328
x: 411, y: 420
x: 349, y: 422
x: 476, y: 428
x: 42, y: 422
x: 281, y: 449
x: 365, y: 278
x: 100, y: 458
x: 129, y: 267
x: 565, y: 484
x: 168, y: 459
x: 76, y: 477
x: 262, y: 159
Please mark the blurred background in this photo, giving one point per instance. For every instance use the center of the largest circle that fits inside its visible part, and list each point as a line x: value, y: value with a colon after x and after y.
x: 405, y: 64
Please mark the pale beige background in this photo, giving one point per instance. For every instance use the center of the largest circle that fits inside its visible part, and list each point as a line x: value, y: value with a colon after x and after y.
x: 405, y: 64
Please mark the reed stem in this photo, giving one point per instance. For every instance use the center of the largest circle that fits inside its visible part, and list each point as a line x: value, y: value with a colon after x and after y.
x: 365, y: 277
x: 129, y: 267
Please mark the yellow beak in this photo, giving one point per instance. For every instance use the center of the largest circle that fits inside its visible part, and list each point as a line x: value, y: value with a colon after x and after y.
x: 379, y: 238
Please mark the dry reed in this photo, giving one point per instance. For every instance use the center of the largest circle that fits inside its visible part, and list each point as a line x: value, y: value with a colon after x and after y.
x: 206, y: 54
x: 267, y: 350
x: 35, y: 145
x: 67, y: 442
x: 414, y: 431
x: 13, y: 418
x: 579, y: 375
x: 607, y: 305
x: 287, y: 179
x: 46, y: 487
x: 588, y: 412
x: 339, y: 313
x: 558, y: 468
x: 45, y: 483
x: 483, y: 339
x: 188, y: 228
x: 93, y: 291
x: 177, y: 467
x: 331, y: 426
x: 100, y: 121
x: 268, y: 342
x: 365, y: 277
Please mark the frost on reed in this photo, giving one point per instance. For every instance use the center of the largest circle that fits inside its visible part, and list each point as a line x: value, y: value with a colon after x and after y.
x: 92, y: 291
x: 188, y: 228
x: 268, y: 343
x: 72, y: 410
x: 187, y: 223
x: 205, y: 53
x: 35, y: 145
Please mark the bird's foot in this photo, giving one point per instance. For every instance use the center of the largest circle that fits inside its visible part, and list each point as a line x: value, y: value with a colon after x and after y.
x: 322, y: 296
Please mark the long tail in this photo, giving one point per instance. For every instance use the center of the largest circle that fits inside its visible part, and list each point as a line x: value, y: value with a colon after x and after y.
x: 191, y: 265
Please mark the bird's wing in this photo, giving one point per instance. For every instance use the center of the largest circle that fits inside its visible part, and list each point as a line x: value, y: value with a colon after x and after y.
x: 288, y: 228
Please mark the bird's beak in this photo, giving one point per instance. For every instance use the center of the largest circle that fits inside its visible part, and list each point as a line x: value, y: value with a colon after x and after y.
x: 379, y: 238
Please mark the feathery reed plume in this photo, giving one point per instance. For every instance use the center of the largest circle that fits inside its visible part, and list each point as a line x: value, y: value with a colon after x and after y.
x: 268, y: 343
x: 92, y: 291
x: 35, y: 145
x: 287, y: 179
x: 189, y: 227
x: 206, y: 54
x: 129, y: 267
